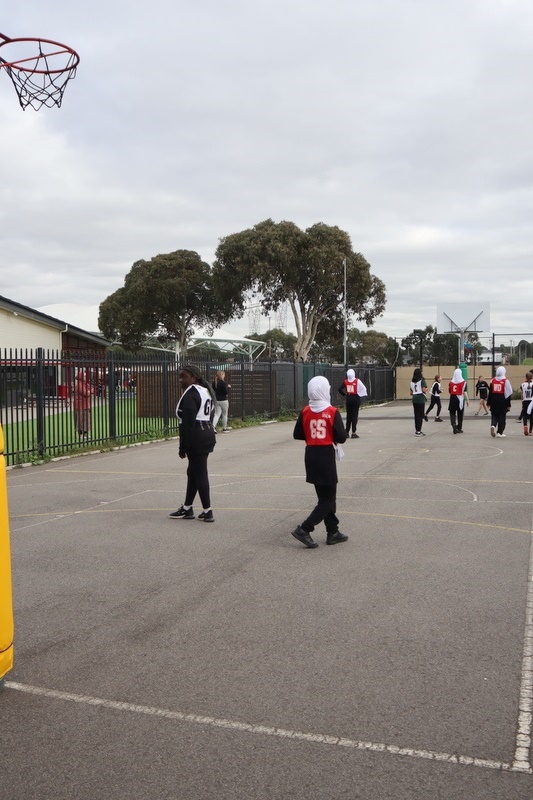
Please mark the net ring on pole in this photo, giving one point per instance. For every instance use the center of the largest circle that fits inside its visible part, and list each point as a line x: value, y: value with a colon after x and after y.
x: 40, y: 69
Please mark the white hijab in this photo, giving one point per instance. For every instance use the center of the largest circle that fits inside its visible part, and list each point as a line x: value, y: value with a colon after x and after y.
x: 350, y: 375
x: 457, y: 376
x: 501, y: 373
x: 319, y: 393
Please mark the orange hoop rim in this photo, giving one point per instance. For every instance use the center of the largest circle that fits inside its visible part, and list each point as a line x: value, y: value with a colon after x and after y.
x: 18, y: 64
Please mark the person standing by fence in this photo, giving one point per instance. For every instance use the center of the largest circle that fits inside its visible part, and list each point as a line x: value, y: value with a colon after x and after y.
x: 220, y: 388
x: 82, y: 404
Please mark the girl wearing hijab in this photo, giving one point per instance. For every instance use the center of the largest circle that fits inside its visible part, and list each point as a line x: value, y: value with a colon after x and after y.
x: 458, y: 398
x: 418, y: 391
x: 320, y: 425
x: 499, y: 402
x: 197, y: 440
x: 353, y: 390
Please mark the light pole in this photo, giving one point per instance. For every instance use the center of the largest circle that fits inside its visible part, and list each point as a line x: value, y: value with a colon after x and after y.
x: 345, y: 340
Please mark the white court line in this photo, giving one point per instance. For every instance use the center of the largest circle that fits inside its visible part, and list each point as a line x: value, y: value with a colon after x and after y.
x: 265, y: 730
x: 523, y: 737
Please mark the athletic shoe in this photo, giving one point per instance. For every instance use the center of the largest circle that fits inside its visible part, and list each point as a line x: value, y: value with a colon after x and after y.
x: 304, y: 537
x: 426, y: 417
x: 476, y: 414
x: 493, y: 431
x: 182, y: 513
x: 419, y: 433
x: 438, y: 419
x: 225, y: 430
x: 486, y: 414
x: 206, y: 516
x: 501, y: 435
x: 336, y: 538
x: 526, y: 430
x: 355, y: 436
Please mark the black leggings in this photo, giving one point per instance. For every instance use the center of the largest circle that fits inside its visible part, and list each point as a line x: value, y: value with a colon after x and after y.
x: 456, y: 418
x: 435, y: 401
x: 419, y: 410
x: 324, y: 510
x: 498, y: 419
x: 352, y: 415
x: 197, y: 480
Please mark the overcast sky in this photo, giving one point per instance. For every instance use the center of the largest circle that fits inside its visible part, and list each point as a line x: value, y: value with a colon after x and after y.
x: 407, y: 123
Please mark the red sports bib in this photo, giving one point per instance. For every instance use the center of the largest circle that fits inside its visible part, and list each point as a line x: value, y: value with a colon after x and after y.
x: 498, y: 387
x: 351, y: 386
x: 456, y: 388
x: 318, y: 426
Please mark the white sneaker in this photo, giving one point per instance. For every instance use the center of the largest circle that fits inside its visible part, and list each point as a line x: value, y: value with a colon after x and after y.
x: 493, y: 431
x: 501, y: 435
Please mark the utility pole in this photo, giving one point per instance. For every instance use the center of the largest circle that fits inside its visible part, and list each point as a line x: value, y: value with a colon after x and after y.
x: 345, y: 338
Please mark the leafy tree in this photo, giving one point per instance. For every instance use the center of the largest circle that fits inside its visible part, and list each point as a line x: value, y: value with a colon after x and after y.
x: 445, y: 349
x: 378, y: 348
x: 166, y: 297
x: 280, y: 345
x: 419, y: 345
x: 281, y: 262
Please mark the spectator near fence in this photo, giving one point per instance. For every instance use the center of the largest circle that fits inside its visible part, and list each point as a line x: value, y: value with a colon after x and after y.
x: 82, y: 404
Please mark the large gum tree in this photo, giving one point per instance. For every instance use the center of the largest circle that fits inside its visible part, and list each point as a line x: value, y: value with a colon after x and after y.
x: 280, y: 262
x: 165, y: 298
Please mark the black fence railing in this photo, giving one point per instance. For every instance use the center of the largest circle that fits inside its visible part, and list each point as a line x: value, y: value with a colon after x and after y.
x: 135, y: 396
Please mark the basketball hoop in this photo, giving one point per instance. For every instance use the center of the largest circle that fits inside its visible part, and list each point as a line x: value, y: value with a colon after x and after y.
x: 39, y: 68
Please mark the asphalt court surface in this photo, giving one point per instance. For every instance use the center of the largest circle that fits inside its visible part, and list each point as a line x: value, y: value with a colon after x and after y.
x: 162, y: 658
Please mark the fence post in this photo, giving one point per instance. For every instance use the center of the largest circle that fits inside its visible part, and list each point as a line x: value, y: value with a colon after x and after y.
x: 270, y: 387
x: 39, y: 400
x: 242, y: 390
x: 112, y: 394
x: 166, y: 404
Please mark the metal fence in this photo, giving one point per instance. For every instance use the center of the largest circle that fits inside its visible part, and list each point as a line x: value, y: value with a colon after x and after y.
x: 135, y: 396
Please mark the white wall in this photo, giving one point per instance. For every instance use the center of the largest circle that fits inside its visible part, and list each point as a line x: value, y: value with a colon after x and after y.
x: 18, y: 332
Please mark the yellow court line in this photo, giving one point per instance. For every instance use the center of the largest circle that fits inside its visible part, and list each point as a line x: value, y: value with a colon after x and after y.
x: 247, y: 509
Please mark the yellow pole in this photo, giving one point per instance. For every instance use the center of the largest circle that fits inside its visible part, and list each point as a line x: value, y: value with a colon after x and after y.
x: 6, y: 601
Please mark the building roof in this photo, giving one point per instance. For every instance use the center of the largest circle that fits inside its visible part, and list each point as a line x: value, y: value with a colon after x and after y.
x: 65, y: 327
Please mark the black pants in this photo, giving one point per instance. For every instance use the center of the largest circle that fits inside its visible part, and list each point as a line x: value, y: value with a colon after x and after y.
x: 435, y: 401
x: 352, y: 414
x: 197, y: 480
x: 419, y: 410
x: 324, y: 511
x: 456, y: 419
x: 498, y: 419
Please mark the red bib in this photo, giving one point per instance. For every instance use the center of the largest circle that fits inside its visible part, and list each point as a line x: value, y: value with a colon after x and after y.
x: 456, y: 388
x: 498, y: 387
x: 318, y: 425
x: 351, y: 386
